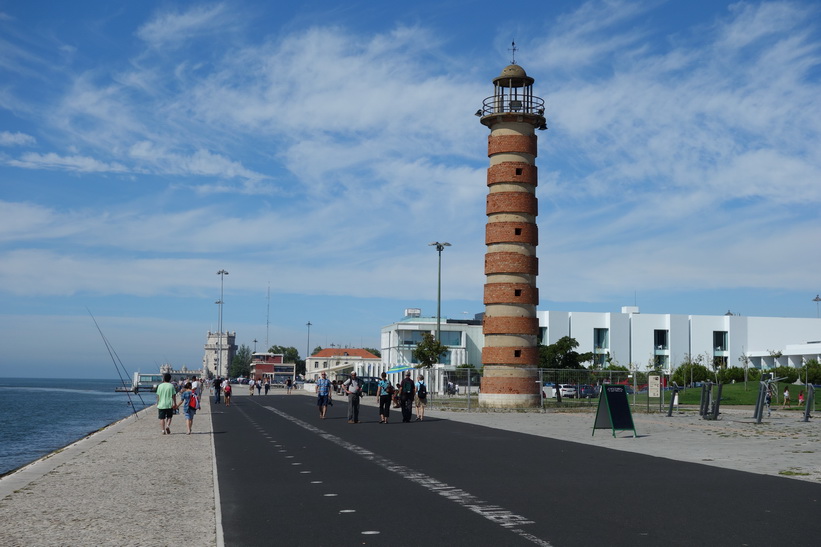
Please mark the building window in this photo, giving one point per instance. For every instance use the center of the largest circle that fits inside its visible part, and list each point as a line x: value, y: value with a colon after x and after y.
x: 720, y: 340
x: 450, y: 338
x: 660, y: 338
x: 601, y: 338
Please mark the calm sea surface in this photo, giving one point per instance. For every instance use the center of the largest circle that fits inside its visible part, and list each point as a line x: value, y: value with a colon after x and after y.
x: 39, y: 416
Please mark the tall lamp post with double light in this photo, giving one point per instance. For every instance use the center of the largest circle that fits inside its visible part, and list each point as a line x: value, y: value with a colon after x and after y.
x: 817, y: 299
x: 222, y: 274
x: 439, y: 248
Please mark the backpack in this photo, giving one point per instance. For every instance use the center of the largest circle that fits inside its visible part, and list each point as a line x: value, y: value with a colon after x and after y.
x: 193, y: 402
x: 422, y: 392
x: 407, y: 386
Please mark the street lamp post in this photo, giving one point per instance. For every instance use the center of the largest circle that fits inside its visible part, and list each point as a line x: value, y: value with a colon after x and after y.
x: 307, y: 349
x: 439, y: 248
x: 817, y: 299
x: 219, y: 336
x: 222, y: 274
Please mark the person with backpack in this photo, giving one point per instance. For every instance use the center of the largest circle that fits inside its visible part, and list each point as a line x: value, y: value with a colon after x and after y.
x: 421, y: 398
x: 227, y: 392
x: 353, y: 387
x: 190, y: 404
x: 384, y: 392
x: 407, y: 392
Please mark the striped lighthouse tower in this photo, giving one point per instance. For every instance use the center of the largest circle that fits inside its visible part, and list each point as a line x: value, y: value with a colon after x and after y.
x: 510, y: 356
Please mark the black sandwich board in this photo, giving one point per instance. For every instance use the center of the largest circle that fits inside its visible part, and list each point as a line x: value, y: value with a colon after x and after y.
x: 614, y: 410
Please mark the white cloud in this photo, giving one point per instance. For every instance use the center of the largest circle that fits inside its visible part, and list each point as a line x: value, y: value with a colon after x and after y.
x: 170, y: 28
x: 8, y: 138
x: 54, y: 161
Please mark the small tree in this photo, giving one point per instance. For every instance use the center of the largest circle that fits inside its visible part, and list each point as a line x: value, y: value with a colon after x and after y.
x: 241, y: 364
x: 563, y: 354
x: 429, y: 350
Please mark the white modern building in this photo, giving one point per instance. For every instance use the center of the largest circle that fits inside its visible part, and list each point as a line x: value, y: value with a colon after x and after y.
x: 642, y: 341
x: 628, y: 338
x: 463, y: 337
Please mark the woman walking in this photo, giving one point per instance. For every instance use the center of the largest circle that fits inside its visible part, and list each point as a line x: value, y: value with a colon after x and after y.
x: 384, y: 392
x: 190, y: 404
x: 421, y: 398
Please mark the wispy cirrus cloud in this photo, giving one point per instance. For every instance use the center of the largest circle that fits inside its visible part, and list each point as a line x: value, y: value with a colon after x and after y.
x: 7, y: 138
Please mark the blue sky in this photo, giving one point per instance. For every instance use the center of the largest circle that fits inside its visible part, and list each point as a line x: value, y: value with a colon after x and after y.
x: 313, y: 152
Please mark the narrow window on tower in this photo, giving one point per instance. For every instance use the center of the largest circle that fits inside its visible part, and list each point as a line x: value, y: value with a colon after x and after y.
x: 517, y: 353
x: 518, y: 231
x: 519, y: 171
x: 517, y: 292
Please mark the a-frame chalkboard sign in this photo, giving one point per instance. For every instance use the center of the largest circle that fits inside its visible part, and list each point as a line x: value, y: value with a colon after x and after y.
x: 614, y: 410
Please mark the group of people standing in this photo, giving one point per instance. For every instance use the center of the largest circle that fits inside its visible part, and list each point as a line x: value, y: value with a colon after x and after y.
x: 407, y: 393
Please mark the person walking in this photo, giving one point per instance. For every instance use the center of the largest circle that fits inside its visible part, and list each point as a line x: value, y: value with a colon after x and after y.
x: 787, y: 402
x: 267, y: 385
x: 216, y: 384
x: 384, y: 393
x: 251, y: 384
x: 190, y: 403
x: 407, y: 391
x: 768, y: 399
x: 353, y: 388
x: 166, y: 403
x: 289, y: 384
x: 259, y: 387
x: 227, y: 392
x: 421, y: 397
x: 323, y: 394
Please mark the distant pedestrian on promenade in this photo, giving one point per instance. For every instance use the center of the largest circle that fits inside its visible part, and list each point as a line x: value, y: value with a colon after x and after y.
x: 251, y: 384
x: 801, y: 398
x: 768, y: 399
x: 353, y: 387
x: 166, y: 403
x: 259, y: 387
x: 190, y: 404
x: 323, y: 394
x: 421, y: 398
x: 407, y: 391
x: 267, y: 385
x: 217, y: 384
x: 196, y: 386
x: 289, y: 384
x: 787, y: 402
x: 384, y: 392
x: 227, y: 392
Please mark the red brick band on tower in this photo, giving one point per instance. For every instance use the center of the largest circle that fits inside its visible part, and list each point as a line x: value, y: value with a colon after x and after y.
x: 511, y: 329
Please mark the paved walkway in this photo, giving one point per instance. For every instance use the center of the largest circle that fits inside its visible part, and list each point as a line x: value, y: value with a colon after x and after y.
x: 130, y: 485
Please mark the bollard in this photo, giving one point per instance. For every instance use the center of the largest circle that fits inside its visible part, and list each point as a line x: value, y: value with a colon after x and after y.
x: 759, y: 404
x: 672, y: 400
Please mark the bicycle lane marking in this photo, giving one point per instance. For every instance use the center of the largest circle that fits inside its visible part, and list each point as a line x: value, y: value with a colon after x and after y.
x: 494, y: 513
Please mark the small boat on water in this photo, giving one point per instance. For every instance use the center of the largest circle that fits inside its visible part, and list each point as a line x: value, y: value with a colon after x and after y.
x: 148, y: 381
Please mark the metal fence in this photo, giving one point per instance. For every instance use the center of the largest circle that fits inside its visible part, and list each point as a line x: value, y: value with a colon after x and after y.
x: 560, y: 388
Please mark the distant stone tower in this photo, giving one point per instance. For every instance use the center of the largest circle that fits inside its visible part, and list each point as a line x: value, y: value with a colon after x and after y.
x: 510, y: 355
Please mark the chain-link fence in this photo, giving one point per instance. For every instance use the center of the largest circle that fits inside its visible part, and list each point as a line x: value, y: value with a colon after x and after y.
x: 560, y: 388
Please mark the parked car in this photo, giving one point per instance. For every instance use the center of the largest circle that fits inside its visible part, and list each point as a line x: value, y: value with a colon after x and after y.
x: 588, y: 392
x: 566, y: 390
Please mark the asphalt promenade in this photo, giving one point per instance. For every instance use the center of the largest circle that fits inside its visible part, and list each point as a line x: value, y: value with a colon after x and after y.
x: 267, y: 471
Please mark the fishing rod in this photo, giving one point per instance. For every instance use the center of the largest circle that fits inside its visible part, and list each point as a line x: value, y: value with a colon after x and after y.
x: 112, y: 353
